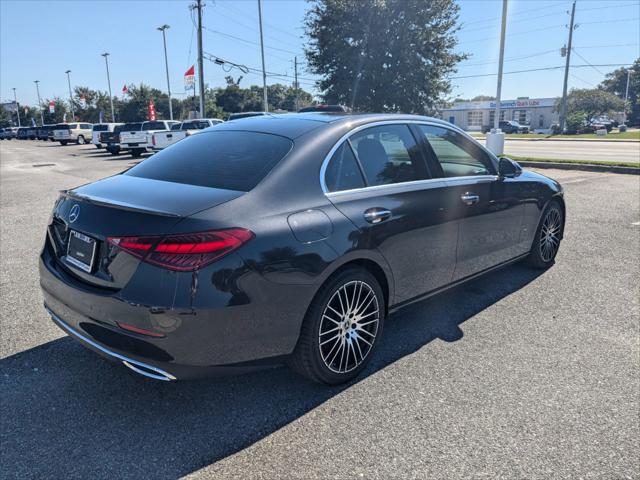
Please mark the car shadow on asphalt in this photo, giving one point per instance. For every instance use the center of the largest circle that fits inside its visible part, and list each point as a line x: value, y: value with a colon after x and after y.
x: 65, y: 412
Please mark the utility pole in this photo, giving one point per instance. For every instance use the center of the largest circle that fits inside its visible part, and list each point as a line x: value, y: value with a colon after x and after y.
x: 626, y: 95
x: 106, y: 62
x: 166, y: 64
x: 39, y: 101
x: 265, y: 103
x: 495, y: 138
x: 563, y: 110
x: 199, y: 6
x: 496, y: 119
x: 295, y: 69
x: 15, y: 97
x: 73, y: 113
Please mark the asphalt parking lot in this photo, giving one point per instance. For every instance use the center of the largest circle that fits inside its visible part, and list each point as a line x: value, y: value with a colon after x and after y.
x: 520, y: 374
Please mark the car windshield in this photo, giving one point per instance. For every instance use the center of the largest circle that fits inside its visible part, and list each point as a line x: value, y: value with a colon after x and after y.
x: 100, y: 128
x: 154, y: 126
x: 132, y: 127
x: 195, y: 125
x: 229, y: 160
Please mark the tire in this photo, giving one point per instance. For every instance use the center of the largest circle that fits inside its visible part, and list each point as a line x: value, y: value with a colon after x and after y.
x: 136, y: 153
x: 98, y: 145
x: 326, y: 357
x: 64, y: 142
x: 546, y: 242
x: 80, y: 140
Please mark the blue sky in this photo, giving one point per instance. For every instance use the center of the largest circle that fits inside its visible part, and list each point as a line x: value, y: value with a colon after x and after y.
x: 39, y: 40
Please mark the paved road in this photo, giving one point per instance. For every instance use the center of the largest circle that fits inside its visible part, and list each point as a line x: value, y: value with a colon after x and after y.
x: 575, y: 150
x: 520, y: 374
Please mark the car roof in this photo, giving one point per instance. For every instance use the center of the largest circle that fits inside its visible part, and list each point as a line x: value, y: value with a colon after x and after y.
x: 293, y: 125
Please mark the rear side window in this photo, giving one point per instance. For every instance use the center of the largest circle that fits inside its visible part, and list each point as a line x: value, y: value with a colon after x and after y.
x: 230, y: 160
x: 343, y: 172
x: 175, y: 126
x: 388, y: 154
x: 154, y: 126
x: 73, y: 126
x: 195, y: 125
x: 131, y: 127
x: 85, y: 126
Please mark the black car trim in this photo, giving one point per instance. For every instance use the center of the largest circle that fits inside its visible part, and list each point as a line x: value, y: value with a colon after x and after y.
x: 138, y: 367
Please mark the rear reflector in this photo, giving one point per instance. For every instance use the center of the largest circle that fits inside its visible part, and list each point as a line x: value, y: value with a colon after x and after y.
x: 184, y: 252
x: 141, y: 331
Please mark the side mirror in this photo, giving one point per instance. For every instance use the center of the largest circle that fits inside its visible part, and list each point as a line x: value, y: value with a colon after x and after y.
x: 508, y: 168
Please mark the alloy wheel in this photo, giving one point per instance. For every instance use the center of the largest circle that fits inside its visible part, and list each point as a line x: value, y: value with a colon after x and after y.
x: 550, y: 234
x: 349, y: 326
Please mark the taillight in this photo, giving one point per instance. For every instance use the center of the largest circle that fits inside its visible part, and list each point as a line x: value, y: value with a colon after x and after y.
x: 153, y: 140
x: 184, y: 252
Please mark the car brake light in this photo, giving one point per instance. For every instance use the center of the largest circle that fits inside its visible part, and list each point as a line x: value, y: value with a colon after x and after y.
x: 141, y: 331
x: 184, y: 252
x: 153, y: 140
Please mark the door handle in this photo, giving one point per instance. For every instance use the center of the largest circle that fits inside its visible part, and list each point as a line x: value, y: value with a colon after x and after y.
x: 469, y: 198
x: 376, y: 215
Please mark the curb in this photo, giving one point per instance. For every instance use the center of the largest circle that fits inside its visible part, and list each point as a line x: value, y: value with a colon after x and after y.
x: 565, y: 140
x: 582, y: 166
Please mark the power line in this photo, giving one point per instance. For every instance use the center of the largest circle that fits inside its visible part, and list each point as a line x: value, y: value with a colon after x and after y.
x: 609, y: 46
x: 582, y: 80
x: 511, y: 59
x: 518, y: 33
x: 615, y: 20
x: 540, y: 70
x: 247, y: 41
x: 587, y: 62
x: 537, y: 9
x: 244, y: 14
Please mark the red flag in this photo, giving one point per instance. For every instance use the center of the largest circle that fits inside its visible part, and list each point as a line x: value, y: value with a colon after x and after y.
x: 125, y: 89
x: 152, y: 111
x: 191, y: 71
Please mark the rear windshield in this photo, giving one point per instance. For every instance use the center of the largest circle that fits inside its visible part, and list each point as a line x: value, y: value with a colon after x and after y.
x: 132, y: 127
x: 175, y: 126
x: 195, y: 125
x: 100, y: 128
x: 154, y: 126
x: 228, y: 159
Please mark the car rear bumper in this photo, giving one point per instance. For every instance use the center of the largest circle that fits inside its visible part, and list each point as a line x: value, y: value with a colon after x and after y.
x: 255, y: 324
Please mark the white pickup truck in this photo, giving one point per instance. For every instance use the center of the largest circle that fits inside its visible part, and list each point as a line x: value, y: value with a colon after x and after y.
x: 161, y: 140
x: 138, y: 140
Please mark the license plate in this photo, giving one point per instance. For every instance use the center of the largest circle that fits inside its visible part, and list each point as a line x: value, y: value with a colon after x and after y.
x: 81, y: 251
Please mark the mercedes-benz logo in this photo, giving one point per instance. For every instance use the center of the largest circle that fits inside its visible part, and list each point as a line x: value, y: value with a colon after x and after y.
x: 74, y: 213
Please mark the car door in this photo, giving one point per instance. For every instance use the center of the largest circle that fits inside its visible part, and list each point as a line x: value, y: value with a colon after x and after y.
x: 379, y: 179
x: 488, y: 209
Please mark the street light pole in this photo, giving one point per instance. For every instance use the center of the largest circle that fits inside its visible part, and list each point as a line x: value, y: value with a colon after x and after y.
x: 73, y: 113
x: 265, y: 103
x: 495, y: 138
x: 39, y: 101
x: 106, y: 62
x: 166, y: 64
x: 15, y: 97
x: 199, y: 6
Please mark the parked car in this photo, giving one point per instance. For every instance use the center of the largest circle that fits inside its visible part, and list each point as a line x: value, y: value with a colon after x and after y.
x: 179, y: 131
x: 111, y: 140
x: 32, y: 133
x: 44, y: 131
x: 289, y: 239
x: 101, y: 127
x: 238, y: 116
x: 3, y: 133
x: 325, y: 108
x: 72, y: 132
x: 139, y: 141
x: 510, y: 126
x: 22, y: 133
x: 10, y: 133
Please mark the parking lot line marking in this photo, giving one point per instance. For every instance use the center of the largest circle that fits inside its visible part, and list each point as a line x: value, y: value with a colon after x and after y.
x: 635, y: 223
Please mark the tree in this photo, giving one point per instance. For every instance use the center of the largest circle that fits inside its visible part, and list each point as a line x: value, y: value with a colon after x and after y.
x: 383, y: 55
x: 591, y: 102
x: 616, y: 83
x: 59, y: 109
x: 483, y: 98
x: 135, y: 106
x: 5, y: 118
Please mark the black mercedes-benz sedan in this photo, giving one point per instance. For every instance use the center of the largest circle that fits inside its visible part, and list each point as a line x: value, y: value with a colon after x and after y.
x: 286, y: 238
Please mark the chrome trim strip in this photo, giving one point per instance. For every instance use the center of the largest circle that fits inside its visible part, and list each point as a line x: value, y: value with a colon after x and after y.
x: 393, y: 187
x: 434, y: 123
x: 132, y: 364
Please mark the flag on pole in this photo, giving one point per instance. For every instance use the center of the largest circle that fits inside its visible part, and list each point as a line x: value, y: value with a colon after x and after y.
x: 33, y: 122
x: 52, y: 106
x: 190, y: 78
x: 152, y: 111
x: 125, y: 89
x: 101, y: 116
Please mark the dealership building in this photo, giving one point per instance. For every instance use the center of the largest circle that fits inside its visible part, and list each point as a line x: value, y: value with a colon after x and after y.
x: 538, y: 113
